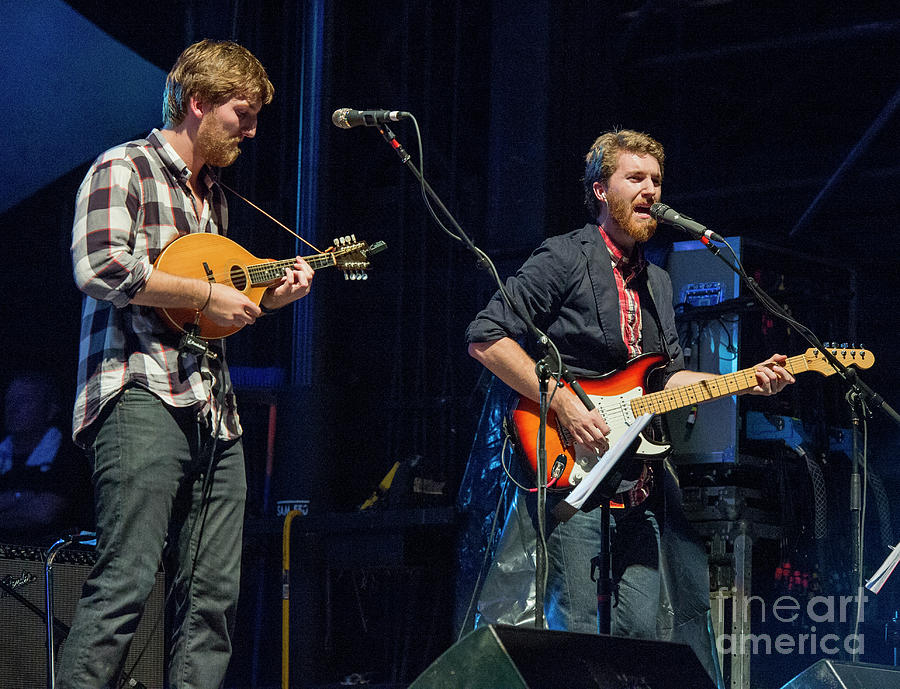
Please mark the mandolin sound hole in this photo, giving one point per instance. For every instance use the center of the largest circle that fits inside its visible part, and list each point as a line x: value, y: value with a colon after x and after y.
x: 238, y: 278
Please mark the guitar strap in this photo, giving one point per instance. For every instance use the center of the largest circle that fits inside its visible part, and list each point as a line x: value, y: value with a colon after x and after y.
x: 657, y: 426
x: 656, y: 319
x: 273, y: 219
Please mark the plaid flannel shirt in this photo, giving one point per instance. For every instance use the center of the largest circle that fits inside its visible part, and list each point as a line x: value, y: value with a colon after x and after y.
x: 133, y: 201
x: 625, y: 269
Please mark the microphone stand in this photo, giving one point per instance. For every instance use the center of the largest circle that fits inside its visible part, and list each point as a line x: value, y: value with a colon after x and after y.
x: 83, y: 537
x: 542, y: 368
x: 859, y: 396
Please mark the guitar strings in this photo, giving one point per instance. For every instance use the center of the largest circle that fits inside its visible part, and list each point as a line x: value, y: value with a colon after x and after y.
x: 253, y: 270
x: 322, y: 260
x: 691, y: 394
x: 616, y: 409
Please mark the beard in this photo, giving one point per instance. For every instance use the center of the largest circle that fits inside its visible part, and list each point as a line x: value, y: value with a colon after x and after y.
x: 214, y: 144
x: 621, y: 213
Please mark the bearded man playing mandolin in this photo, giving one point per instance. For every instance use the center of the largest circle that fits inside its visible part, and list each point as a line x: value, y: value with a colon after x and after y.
x: 602, y: 304
x: 158, y: 417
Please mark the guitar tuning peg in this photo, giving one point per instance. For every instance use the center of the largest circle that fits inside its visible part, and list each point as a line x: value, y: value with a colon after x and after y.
x: 844, y: 345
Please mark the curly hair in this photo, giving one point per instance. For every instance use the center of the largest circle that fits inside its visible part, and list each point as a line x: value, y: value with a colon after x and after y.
x: 214, y: 72
x: 603, y: 156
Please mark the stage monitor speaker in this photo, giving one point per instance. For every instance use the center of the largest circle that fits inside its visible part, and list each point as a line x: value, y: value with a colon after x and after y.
x: 23, y: 634
x: 827, y: 674
x: 499, y: 657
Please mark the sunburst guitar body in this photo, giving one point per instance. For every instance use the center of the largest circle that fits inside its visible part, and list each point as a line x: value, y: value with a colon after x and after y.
x: 621, y: 398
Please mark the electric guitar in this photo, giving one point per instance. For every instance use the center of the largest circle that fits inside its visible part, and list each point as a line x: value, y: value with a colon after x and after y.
x: 215, y: 258
x: 621, y: 397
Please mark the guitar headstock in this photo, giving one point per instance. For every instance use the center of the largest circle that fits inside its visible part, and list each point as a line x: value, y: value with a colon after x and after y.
x: 351, y: 256
x: 860, y: 358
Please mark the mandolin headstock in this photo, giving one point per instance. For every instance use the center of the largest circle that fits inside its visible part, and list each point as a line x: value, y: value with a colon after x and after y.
x: 351, y: 256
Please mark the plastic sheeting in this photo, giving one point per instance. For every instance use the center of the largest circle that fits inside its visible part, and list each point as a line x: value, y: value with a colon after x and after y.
x: 496, y: 577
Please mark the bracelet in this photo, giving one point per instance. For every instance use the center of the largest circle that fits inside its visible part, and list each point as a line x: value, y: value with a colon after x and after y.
x: 208, y: 297
x: 265, y: 310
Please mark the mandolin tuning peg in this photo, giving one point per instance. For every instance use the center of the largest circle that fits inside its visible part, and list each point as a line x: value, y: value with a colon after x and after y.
x: 365, y: 276
x: 346, y: 277
x: 352, y: 237
x: 844, y: 345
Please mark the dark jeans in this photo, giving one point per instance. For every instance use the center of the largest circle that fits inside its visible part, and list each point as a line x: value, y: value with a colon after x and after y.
x: 149, y: 465
x: 571, y: 599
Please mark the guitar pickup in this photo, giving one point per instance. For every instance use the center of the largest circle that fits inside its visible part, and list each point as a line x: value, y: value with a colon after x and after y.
x: 564, y: 435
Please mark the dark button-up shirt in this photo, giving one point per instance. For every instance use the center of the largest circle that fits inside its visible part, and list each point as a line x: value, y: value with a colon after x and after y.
x: 568, y: 288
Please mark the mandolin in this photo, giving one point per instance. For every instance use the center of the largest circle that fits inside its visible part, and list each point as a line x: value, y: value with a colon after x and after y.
x: 215, y: 258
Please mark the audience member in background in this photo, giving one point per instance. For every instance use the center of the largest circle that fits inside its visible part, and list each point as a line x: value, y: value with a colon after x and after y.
x: 44, y: 481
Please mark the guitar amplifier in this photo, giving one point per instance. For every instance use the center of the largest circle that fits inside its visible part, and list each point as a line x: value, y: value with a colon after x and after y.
x: 723, y: 329
x: 23, y: 632
x: 704, y: 291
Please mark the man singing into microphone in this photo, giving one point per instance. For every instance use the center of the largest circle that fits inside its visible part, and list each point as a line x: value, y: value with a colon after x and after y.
x: 159, y: 419
x: 602, y: 304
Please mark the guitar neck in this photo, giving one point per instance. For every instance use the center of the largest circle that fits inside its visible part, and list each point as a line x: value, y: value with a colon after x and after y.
x: 271, y: 271
x: 706, y: 390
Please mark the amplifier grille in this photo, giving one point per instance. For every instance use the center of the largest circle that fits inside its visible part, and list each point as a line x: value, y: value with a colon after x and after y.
x: 23, y: 635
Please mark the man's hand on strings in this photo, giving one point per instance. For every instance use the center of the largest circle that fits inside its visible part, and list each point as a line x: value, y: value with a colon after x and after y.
x: 587, y: 427
x: 295, y: 284
x: 229, y: 307
x: 771, y: 376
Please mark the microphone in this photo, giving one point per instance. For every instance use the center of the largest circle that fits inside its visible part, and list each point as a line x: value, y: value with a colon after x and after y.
x: 345, y: 118
x: 664, y: 214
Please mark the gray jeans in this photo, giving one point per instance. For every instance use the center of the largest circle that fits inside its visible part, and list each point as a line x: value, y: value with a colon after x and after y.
x: 149, y: 465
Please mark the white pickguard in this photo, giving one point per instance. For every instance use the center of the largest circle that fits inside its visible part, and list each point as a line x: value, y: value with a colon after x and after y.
x: 616, y: 409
